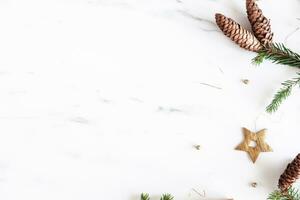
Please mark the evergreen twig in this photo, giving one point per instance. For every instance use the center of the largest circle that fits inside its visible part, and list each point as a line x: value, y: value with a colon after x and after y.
x: 279, y: 54
x: 166, y: 197
x: 282, y: 94
x: 291, y: 194
x: 145, y: 196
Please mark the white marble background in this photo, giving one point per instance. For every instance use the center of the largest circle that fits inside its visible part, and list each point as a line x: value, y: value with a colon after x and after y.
x: 103, y: 99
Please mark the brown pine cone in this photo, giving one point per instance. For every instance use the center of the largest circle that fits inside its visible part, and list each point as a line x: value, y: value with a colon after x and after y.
x: 260, y: 24
x: 238, y: 34
x: 290, y: 175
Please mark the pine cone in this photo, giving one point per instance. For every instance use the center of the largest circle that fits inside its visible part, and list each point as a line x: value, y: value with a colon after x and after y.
x: 260, y: 24
x: 290, y: 175
x: 238, y: 34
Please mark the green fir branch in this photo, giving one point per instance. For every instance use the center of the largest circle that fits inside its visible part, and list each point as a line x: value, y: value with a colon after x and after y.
x: 283, y: 94
x: 261, y: 56
x: 279, y: 54
x: 145, y: 196
x: 291, y: 194
x: 166, y: 197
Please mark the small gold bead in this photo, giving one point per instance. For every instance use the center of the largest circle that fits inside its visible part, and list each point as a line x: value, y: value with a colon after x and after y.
x: 198, y: 147
x: 246, y: 81
x: 254, y: 184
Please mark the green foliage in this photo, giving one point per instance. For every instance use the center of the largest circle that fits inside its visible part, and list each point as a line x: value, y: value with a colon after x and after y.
x: 279, y: 54
x: 291, y: 194
x: 257, y: 60
x: 166, y: 197
x: 282, y: 94
x: 145, y: 196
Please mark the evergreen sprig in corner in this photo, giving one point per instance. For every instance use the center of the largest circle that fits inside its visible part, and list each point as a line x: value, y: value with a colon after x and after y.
x: 291, y: 194
x: 260, y: 40
x: 145, y: 196
x: 285, y: 184
x: 285, y: 189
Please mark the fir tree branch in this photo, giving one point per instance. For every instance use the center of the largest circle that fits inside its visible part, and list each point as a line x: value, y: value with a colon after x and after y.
x: 166, y: 197
x: 279, y: 54
x: 291, y: 194
x: 282, y: 94
x: 261, y: 56
x: 145, y: 196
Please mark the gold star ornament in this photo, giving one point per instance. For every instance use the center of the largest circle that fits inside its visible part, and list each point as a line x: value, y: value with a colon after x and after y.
x: 254, y: 143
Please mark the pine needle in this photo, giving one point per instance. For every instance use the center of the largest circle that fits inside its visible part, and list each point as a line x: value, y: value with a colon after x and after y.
x: 166, y: 197
x: 283, y: 94
x: 261, y: 56
x: 145, y: 196
x: 291, y: 194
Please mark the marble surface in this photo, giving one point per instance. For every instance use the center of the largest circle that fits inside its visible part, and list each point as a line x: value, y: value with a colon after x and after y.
x: 104, y: 99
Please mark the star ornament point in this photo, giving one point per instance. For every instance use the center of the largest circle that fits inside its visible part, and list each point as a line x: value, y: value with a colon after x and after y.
x: 258, y: 139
